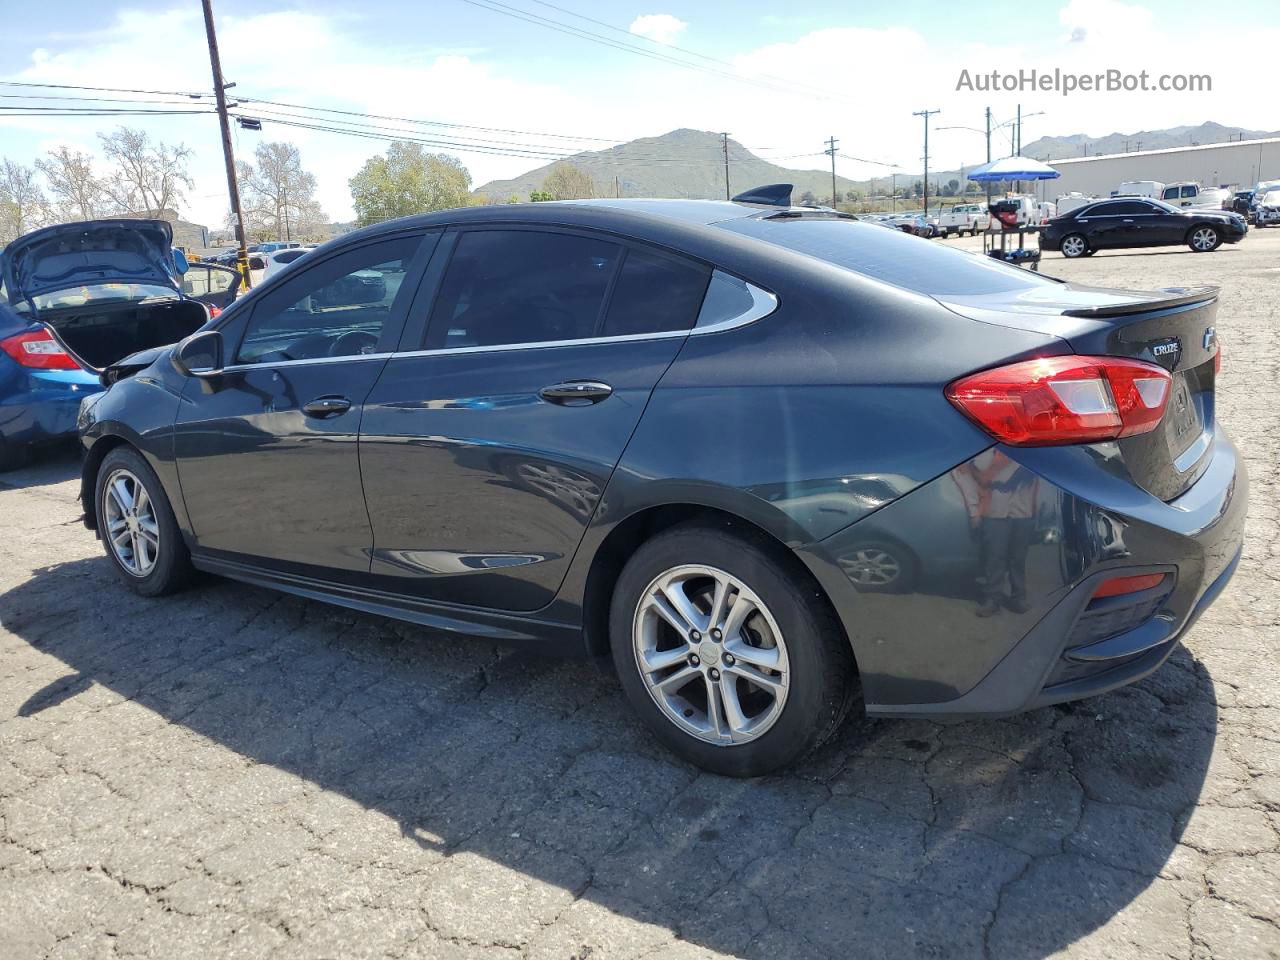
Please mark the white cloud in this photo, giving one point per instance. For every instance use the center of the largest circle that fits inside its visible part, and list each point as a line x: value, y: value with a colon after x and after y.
x: 660, y: 27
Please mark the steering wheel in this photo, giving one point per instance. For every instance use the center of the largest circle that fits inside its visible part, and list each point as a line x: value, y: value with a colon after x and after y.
x: 353, y: 342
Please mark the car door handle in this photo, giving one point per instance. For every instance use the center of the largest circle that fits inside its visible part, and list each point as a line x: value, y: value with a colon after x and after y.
x: 322, y: 407
x: 576, y: 393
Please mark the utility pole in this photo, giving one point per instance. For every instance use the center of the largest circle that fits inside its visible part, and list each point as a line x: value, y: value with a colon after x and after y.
x: 233, y: 188
x: 724, y: 143
x: 617, y: 186
x: 895, y: 193
x: 926, y: 114
x: 988, y: 157
x: 1017, y: 143
x: 832, y: 143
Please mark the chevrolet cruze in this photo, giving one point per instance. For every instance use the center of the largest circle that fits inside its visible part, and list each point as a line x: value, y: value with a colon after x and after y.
x: 770, y: 461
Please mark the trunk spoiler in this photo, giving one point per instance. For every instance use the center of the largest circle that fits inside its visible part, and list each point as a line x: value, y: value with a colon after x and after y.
x: 1177, y: 297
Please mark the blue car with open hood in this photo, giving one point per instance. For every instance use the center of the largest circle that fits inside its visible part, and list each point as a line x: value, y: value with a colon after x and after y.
x: 78, y: 298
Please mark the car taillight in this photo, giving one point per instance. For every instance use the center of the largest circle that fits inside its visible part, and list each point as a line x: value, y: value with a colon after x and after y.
x: 1053, y: 401
x: 38, y: 351
x: 215, y: 313
x: 1217, y: 360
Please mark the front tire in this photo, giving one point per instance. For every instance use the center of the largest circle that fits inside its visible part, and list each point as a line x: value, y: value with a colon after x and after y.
x: 137, y: 526
x: 727, y: 654
x: 1204, y: 239
x: 1074, y: 245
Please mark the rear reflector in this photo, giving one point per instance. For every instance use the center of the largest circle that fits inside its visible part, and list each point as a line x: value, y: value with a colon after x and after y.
x: 1053, y: 401
x: 38, y: 351
x: 1119, y: 586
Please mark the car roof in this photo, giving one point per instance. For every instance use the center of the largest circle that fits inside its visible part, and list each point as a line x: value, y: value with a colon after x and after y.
x: 620, y: 214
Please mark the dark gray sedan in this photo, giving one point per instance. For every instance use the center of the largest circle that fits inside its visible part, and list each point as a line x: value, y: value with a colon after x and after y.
x: 769, y: 461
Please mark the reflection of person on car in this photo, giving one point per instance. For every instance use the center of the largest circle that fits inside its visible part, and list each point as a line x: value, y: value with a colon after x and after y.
x: 1000, y: 496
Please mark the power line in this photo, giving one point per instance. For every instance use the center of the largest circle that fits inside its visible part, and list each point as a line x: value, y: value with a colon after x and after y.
x: 430, y: 123
x: 8, y: 111
x: 375, y: 134
x: 672, y: 46
x: 496, y: 6
x: 69, y: 86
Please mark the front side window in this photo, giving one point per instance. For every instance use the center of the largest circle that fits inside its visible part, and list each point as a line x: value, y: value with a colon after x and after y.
x: 522, y: 286
x: 1188, y: 191
x: 335, y: 308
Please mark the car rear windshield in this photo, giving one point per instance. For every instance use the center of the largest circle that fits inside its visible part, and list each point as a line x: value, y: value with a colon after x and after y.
x: 893, y: 257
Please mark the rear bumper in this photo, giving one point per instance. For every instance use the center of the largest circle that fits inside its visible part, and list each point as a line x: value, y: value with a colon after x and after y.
x: 992, y: 615
x: 36, y: 406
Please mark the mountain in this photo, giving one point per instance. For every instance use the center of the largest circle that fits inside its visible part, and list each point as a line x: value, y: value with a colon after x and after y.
x: 1060, y: 148
x: 682, y: 163
x: 690, y: 163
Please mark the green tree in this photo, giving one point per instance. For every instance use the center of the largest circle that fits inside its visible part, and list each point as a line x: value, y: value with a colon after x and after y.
x: 540, y: 196
x: 954, y: 184
x: 808, y: 199
x: 408, y: 180
x: 567, y: 182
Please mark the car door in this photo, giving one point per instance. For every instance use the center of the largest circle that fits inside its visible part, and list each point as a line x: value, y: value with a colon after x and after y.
x: 1164, y: 227
x: 487, y: 448
x: 267, y: 451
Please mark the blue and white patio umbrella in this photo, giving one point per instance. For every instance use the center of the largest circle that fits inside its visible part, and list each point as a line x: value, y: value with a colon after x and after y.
x: 1013, y: 168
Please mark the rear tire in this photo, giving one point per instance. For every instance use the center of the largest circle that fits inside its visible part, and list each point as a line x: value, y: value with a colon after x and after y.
x: 693, y: 693
x: 137, y: 526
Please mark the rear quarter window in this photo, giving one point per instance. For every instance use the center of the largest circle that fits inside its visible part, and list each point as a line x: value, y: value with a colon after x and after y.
x: 891, y: 256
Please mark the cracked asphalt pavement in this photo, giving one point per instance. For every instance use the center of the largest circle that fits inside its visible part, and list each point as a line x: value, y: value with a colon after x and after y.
x: 235, y: 773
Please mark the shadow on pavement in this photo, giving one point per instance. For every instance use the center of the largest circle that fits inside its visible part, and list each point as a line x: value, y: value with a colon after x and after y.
x: 1005, y: 838
x: 45, y: 466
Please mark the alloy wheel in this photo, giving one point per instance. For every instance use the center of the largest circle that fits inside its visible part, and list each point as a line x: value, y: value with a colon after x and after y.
x: 1204, y: 239
x: 711, y: 654
x: 1073, y: 246
x: 131, y: 525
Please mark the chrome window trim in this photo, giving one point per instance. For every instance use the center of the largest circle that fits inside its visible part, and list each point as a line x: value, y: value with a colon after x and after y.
x: 231, y: 368
x: 763, y: 303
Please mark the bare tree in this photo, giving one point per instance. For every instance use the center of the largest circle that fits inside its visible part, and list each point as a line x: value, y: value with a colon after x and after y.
x: 23, y: 206
x: 77, y: 190
x: 150, y: 176
x: 567, y: 182
x: 279, y: 196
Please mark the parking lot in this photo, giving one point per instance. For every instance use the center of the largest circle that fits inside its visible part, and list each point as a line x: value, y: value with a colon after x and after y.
x: 232, y: 772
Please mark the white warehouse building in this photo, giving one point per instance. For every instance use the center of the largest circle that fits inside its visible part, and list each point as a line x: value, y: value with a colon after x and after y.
x: 1238, y: 164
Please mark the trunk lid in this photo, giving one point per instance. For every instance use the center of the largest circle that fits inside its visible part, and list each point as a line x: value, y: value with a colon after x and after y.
x: 1172, y: 327
x: 91, y: 253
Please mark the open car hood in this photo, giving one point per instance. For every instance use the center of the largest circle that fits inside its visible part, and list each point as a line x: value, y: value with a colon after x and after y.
x: 91, y: 252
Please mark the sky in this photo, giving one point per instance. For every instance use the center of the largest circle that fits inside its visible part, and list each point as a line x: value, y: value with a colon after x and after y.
x: 779, y: 83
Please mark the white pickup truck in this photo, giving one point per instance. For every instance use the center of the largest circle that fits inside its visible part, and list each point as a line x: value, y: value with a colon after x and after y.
x: 970, y: 218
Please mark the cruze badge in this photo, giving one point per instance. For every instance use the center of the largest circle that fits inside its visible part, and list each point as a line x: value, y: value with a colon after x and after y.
x: 1164, y: 349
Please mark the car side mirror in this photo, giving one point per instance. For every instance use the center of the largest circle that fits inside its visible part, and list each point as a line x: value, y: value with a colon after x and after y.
x: 200, y: 355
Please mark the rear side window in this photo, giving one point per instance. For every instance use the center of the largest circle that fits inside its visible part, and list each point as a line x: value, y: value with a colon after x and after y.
x: 655, y: 293
x: 891, y: 256
x: 521, y: 286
